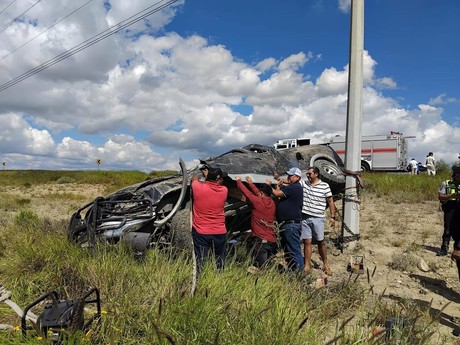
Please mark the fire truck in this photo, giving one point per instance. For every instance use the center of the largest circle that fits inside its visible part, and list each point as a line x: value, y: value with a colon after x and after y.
x: 378, y: 152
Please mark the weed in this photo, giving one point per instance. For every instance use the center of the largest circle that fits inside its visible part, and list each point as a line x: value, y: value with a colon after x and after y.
x: 65, y: 179
x: 23, y: 202
x: 397, y: 242
x: 426, y: 234
x: 413, y: 247
x: 404, y: 262
x: 26, y: 219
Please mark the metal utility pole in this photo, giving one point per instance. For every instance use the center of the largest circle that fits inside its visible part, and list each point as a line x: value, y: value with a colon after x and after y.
x: 350, y: 224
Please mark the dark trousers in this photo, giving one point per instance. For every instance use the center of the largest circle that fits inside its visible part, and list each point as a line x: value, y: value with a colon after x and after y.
x: 202, y: 244
x: 451, y: 223
x: 261, y: 251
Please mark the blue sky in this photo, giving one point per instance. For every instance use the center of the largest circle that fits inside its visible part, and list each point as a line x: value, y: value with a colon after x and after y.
x: 203, y: 77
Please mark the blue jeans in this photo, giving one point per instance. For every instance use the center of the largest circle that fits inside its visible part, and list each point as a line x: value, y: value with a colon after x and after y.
x: 202, y: 244
x: 290, y: 240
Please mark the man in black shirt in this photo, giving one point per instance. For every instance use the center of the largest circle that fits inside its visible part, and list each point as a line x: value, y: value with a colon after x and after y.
x: 289, y: 216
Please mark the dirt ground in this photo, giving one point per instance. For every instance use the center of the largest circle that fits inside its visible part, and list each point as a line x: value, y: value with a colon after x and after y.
x: 388, y: 228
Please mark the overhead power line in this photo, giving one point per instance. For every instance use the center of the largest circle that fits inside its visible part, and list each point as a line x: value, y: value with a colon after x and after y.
x: 50, y: 27
x: 89, y: 42
x: 14, y: 19
x: 7, y: 7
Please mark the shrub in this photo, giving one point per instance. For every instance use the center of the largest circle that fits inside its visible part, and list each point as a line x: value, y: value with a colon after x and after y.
x: 26, y: 219
x: 65, y: 179
x: 404, y: 262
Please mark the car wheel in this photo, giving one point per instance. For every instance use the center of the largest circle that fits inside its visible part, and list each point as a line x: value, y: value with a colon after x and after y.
x: 330, y: 173
x: 181, y: 229
x: 76, y: 229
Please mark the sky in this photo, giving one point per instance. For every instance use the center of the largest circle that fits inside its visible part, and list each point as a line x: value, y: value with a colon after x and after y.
x: 199, y: 78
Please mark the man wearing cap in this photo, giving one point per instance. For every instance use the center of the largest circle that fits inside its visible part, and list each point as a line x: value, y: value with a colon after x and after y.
x: 316, y: 196
x: 449, y: 196
x: 262, y: 243
x: 289, y: 216
x: 208, y: 225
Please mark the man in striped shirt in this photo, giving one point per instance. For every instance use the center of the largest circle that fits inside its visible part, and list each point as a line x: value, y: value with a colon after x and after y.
x: 316, y: 195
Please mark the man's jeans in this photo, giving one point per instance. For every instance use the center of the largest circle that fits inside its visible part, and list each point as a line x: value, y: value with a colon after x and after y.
x: 202, y: 244
x: 290, y: 240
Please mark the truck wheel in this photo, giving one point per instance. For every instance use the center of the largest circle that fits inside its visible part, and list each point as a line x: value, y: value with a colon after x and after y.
x: 365, y: 166
x: 329, y: 172
x: 181, y: 229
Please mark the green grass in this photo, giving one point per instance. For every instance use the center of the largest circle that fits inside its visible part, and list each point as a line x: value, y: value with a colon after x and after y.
x: 113, y: 179
x: 403, y: 187
x: 149, y: 301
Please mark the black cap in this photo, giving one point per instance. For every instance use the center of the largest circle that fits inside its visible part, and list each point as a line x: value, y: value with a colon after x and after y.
x: 214, y: 174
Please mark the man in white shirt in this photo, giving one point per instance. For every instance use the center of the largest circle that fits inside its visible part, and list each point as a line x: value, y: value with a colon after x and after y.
x: 316, y: 195
x: 413, y: 166
x: 430, y: 164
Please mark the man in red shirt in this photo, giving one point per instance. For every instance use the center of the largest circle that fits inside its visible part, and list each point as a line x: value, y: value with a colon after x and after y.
x: 208, y: 226
x: 263, y: 240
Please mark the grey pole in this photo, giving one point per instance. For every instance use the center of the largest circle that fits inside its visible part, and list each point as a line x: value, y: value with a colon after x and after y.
x: 350, y: 224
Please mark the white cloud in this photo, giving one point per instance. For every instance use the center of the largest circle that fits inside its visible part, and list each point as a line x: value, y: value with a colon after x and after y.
x: 266, y: 64
x: 344, y: 5
x: 386, y: 83
x: 295, y: 61
x: 17, y: 136
x: 142, y: 103
x: 442, y: 99
x: 332, y: 82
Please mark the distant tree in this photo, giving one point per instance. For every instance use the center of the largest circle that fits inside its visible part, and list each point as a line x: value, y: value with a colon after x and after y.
x: 442, y: 167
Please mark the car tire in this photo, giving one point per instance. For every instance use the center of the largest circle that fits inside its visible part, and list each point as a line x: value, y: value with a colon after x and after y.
x: 330, y: 173
x: 321, y: 156
x: 76, y: 228
x: 181, y: 229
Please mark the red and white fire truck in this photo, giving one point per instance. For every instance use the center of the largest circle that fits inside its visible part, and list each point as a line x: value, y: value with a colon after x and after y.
x: 378, y: 152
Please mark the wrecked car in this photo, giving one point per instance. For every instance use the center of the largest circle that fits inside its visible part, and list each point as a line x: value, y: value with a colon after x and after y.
x: 156, y: 212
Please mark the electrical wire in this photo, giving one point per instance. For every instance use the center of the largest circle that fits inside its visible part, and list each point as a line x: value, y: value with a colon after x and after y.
x: 60, y: 20
x: 14, y: 19
x: 89, y: 42
x: 7, y: 7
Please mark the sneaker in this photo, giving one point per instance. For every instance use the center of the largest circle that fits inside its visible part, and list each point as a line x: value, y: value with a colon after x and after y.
x: 442, y: 252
